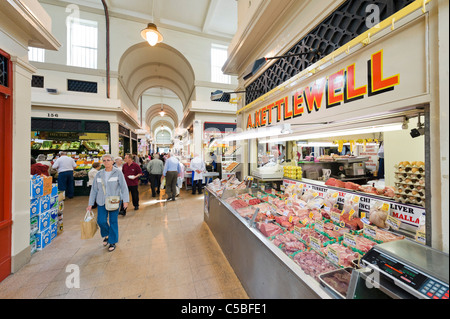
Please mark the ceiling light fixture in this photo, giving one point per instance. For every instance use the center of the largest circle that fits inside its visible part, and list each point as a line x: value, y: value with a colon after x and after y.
x: 258, y: 64
x: 151, y: 33
x: 221, y: 96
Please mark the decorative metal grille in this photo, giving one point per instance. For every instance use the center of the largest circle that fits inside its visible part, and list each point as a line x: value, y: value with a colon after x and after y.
x: 96, y: 126
x: 37, y: 81
x: 343, y: 25
x: 81, y: 86
x: 3, y: 71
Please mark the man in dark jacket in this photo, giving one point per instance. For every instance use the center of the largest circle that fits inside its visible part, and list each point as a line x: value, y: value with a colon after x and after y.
x: 132, y: 171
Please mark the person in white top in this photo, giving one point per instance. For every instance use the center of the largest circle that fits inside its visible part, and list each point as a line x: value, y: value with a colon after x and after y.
x: 65, y: 166
x: 198, y: 168
x: 118, y: 162
x: 94, y: 170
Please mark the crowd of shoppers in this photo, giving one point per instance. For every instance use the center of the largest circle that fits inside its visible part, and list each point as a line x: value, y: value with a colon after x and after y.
x: 121, y: 177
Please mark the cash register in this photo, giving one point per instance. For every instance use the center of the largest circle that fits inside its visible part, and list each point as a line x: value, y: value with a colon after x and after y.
x: 402, y: 269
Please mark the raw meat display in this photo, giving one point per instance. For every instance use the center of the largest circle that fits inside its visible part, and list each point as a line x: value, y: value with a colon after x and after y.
x: 346, y: 255
x: 386, y: 236
x: 306, y: 233
x: 254, y: 201
x: 331, y: 182
x: 246, y: 211
x: 354, y: 224
x: 313, y: 264
x: 289, y: 243
x: 338, y: 280
x: 269, y: 229
x: 350, y: 185
x: 363, y: 244
x: 263, y: 207
x: 238, y: 203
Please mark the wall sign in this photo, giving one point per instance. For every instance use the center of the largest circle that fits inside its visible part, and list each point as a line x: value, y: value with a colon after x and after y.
x: 336, y: 89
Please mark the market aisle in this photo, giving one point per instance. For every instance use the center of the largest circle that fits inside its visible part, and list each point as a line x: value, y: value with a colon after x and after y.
x: 165, y: 250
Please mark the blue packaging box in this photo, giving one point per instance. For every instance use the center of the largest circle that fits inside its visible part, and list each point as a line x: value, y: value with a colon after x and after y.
x: 43, y: 239
x: 36, y: 186
x: 54, y: 202
x: 34, y: 207
x: 54, y: 190
x: 44, y: 203
x: 53, y: 230
x: 53, y: 215
x: 34, y: 222
x: 43, y: 220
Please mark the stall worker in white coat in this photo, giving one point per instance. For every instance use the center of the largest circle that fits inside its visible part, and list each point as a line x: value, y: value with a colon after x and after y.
x: 198, y: 168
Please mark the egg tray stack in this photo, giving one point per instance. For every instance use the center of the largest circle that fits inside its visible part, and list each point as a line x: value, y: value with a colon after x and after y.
x: 292, y: 172
x: 410, y: 183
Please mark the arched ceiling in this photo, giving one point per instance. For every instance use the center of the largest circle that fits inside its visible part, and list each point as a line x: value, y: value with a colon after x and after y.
x: 154, y: 110
x: 143, y: 67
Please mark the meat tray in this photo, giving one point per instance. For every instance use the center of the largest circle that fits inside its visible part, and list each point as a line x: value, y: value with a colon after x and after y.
x: 331, y: 274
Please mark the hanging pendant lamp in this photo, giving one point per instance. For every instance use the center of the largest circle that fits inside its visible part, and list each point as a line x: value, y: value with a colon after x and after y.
x: 151, y: 34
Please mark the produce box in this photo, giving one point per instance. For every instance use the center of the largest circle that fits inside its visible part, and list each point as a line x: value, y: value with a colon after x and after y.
x: 34, y: 207
x: 43, y: 221
x: 44, y: 203
x: 36, y: 187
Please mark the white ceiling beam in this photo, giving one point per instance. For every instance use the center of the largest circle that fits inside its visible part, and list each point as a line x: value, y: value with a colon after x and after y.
x: 209, y: 15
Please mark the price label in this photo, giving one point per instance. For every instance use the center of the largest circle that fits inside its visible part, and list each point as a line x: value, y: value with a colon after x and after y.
x: 362, y: 215
x: 274, y: 192
x: 370, y: 231
x: 311, y: 215
x: 319, y: 225
x: 349, y: 240
x: 356, y: 199
x: 263, y: 188
x: 393, y: 222
x: 385, y: 207
x: 421, y: 237
x: 297, y: 232
x: 305, y: 221
x: 258, y: 195
x: 335, y: 195
x: 333, y: 255
x: 290, y: 218
x: 335, y: 217
x: 315, y: 243
x: 270, y: 199
x: 315, y: 194
x: 350, y: 214
x: 286, y: 213
x: 282, y: 187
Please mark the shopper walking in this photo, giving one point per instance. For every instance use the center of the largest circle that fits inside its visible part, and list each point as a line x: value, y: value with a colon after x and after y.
x: 155, y: 168
x: 198, y: 168
x: 92, y: 173
x: 118, y: 162
x: 170, y: 172
x: 38, y: 168
x: 65, y: 166
x: 108, y: 182
x: 132, y: 171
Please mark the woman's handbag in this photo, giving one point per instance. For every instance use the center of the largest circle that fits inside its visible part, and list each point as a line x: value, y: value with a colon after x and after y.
x: 112, y: 203
x: 88, y: 225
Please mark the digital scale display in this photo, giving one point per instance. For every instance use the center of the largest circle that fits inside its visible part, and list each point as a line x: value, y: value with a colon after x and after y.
x: 425, y: 285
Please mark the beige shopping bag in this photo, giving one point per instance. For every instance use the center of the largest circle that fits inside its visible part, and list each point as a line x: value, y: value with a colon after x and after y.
x: 88, y: 225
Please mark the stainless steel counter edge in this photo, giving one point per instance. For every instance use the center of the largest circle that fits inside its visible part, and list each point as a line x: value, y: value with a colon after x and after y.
x: 311, y: 282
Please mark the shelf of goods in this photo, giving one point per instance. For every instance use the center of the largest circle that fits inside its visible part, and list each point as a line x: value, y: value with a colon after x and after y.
x: 295, y: 235
x: 46, y: 212
x: 410, y: 183
x: 294, y: 172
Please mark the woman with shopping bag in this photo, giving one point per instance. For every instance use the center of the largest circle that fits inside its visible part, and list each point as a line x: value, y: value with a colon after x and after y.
x: 109, y: 190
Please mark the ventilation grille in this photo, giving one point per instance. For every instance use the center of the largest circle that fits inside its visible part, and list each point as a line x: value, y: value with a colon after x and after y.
x: 343, y: 25
x: 82, y: 86
x: 37, y: 81
x: 93, y: 126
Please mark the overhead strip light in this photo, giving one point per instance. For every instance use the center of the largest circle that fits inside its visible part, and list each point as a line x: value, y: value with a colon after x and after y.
x: 371, y: 129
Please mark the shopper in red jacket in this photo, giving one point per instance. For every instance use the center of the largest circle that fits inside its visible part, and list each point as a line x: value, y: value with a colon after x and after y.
x: 132, y: 171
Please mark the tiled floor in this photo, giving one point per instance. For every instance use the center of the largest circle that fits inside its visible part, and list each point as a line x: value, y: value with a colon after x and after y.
x: 165, y: 250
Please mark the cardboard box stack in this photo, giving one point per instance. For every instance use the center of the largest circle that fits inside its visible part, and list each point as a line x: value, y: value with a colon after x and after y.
x: 46, y: 206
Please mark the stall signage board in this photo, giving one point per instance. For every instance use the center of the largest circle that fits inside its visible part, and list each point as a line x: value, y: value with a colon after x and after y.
x: 369, y: 81
x: 406, y: 214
